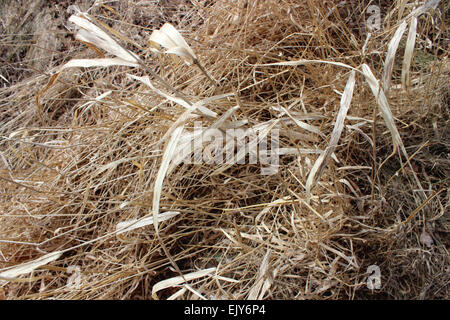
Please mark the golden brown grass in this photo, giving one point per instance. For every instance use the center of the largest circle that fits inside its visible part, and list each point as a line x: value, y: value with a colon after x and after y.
x: 95, y: 205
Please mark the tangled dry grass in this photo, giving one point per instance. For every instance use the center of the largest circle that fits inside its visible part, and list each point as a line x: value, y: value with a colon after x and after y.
x: 81, y: 153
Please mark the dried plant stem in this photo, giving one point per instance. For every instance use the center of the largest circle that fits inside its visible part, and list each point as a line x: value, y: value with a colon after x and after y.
x: 206, y: 73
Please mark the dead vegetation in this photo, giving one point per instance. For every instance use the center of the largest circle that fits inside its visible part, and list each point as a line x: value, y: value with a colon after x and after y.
x: 96, y: 204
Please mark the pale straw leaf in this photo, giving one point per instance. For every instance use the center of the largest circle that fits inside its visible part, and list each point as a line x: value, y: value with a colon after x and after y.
x: 30, y: 266
x: 146, y: 80
x: 256, y: 292
x: 181, y: 120
x: 184, y: 149
x: 173, y: 33
x: 162, y: 39
x: 176, y: 281
x: 322, y: 161
x: 129, y: 225
x: 104, y: 62
x: 410, y: 43
x: 226, y: 279
x: 111, y: 165
x: 179, y: 51
x: 429, y: 5
x: 303, y: 125
x: 304, y: 62
x: 383, y: 105
x: 168, y: 37
x: 188, y: 113
x: 92, y: 34
x: 177, y: 294
x: 388, y: 118
x: 167, y: 157
x: 390, y: 56
x: 196, y: 293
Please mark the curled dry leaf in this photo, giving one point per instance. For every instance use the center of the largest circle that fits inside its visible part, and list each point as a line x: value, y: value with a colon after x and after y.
x: 92, y: 34
x: 168, y: 37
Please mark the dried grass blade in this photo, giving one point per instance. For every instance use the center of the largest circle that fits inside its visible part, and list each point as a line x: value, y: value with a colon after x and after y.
x: 205, y: 111
x: 179, y: 51
x: 168, y: 37
x: 256, y: 292
x: 303, y: 125
x: 104, y: 62
x: 351, y: 261
x: 180, y: 121
x: 390, y: 56
x: 28, y: 267
x: 383, y: 105
x: 322, y: 161
x: 304, y: 62
x: 175, y: 281
x: 175, y: 35
x: 409, y: 50
x: 162, y: 39
x: 157, y: 190
x: 388, y: 118
x: 90, y: 33
x: 129, y: 225
x: 177, y: 294
x: 184, y: 149
x: 167, y: 157
x: 50, y: 83
x: 430, y: 4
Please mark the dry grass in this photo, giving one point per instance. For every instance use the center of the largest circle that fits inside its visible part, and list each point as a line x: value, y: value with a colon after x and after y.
x: 95, y: 203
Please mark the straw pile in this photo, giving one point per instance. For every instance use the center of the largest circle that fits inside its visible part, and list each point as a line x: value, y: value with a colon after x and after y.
x: 97, y: 204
